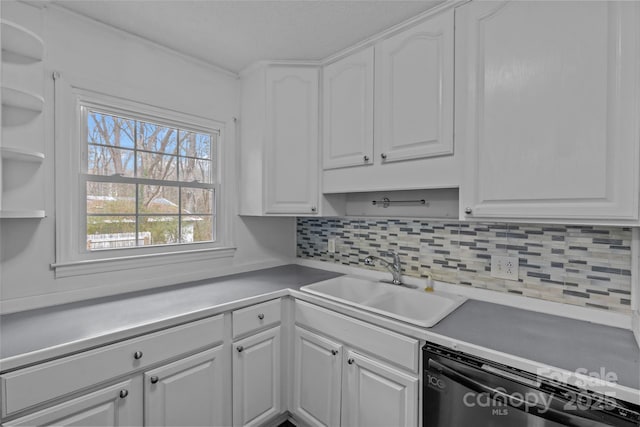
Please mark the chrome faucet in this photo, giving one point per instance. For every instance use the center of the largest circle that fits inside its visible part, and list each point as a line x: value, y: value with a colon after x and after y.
x: 395, y: 268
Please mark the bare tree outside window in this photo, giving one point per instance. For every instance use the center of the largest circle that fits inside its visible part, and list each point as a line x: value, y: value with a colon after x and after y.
x: 147, y: 183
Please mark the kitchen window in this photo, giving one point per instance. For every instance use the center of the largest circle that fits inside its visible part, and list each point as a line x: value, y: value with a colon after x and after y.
x: 146, y: 183
x: 137, y: 186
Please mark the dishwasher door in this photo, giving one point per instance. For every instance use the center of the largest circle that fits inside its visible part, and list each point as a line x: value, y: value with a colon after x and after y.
x: 461, y: 392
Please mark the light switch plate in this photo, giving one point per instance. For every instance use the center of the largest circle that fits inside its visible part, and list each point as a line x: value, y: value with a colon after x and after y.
x: 504, y: 267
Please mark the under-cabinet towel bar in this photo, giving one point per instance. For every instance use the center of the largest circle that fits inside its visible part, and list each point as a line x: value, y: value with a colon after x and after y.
x: 385, y: 202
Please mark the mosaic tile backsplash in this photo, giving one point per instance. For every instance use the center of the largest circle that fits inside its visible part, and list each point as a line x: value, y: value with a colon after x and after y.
x: 581, y: 265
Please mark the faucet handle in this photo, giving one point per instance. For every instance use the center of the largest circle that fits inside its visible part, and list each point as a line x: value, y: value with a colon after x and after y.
x: 368, y: 261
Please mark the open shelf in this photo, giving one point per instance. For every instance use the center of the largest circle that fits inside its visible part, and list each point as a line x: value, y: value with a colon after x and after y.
x: 22, y: 214
x: 21, y: 42
x: 17, y: 98
x: 21, y: 154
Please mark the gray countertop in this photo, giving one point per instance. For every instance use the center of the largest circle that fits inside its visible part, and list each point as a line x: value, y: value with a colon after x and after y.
x: 556, y: 341
x: 33, y: 336
x: 129, y: 314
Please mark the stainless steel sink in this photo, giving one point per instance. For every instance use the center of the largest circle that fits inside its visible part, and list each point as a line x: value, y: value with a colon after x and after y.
x: 414, y: 306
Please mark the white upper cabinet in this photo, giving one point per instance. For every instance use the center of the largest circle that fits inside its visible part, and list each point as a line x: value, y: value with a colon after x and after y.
x: 348, y: 111
x: 279, y: 141
x: 547, y: 109
x: 414, y: 91
x: 408, y: 108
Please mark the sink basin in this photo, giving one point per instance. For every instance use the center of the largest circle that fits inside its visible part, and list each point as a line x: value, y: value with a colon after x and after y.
x: 417, y: 307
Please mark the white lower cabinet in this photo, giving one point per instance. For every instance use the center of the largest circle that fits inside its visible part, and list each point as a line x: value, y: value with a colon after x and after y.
x: 174, y: 377
x: 116, y: 405
x: 189, y: 392
x: 336, y: 384
x: 317, y: 368
x: 376, y: 394
x: 257, y: 378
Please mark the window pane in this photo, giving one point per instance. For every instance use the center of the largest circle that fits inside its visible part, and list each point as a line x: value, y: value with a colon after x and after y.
x: 194, y: 144
x: 158, y: 199
x: 197, y: 201
x: 110, y: 130
x: 159, y: 230
x: 156, y: 166
x: 197, y: 228
x: 195, y: 170
x: 156, y: 138
x: 102, y: 160
x: 110, y: 232
x: 111, y: 198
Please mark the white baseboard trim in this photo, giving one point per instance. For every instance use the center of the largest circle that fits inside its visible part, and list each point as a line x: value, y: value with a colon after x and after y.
x: 603, y: 317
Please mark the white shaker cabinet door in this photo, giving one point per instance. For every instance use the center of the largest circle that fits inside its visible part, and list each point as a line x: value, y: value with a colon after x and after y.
x: 291, y: 167
x: 189, y: 392
x: 547, y: 109
x: 348, y: 111
x: 116, y: 405
x: 376, y: 394
x: 257, y: 378
x: 317, y: 374
x: 414, y: 91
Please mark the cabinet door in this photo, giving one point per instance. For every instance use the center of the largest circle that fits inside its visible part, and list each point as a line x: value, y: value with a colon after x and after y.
x: 347, y: 139
x: 548, y: 111
x: 317, y: 373
x: 189, y: 392
x: 116, y: 405
x: 414, y: 91
x: 257, y: 378
x: 292, y: 141
x: 376, y: 394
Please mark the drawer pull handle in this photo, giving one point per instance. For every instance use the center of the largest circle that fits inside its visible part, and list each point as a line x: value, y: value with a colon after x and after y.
x: 137, y: 355
x: 154, y: 379
x: 124, y: 393
x: 239, y: 348
x: 260, y: 316
x: 334, y: 352
x: 351, y: 361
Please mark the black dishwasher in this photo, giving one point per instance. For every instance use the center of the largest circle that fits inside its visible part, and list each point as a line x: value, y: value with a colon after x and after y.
x: 463, y: 391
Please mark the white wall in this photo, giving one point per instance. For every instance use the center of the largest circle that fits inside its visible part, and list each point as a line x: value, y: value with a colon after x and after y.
x: 90, y: 54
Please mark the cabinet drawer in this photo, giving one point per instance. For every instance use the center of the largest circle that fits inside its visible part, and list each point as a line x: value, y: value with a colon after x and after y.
x: 384, y: 344
x: 40, y: 383
x: 256, y: 317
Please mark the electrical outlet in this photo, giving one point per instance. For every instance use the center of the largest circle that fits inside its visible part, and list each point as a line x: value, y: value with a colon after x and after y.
x: 331, y: 245
x: 504, y: 267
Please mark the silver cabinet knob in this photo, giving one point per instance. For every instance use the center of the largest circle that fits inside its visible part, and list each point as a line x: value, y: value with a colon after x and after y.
x: 137, y: 355
x: 313, y: 209
x: 124, y: 393
x: 468, y: 211
x: 366, y: 158
x: 261, y: 316
x: 154, y: 379
x: 334, y: 352
x: 384, y: 156
x: 239, y: 348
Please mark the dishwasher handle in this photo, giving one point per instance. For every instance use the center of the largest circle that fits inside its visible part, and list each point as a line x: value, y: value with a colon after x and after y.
x: 550, y: 413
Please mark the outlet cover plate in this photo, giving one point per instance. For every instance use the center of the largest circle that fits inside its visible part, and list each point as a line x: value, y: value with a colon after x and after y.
x: 504, y: 267
x: 331, y: 245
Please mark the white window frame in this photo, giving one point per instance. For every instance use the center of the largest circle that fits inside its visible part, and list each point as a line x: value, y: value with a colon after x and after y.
x: 72, y: 257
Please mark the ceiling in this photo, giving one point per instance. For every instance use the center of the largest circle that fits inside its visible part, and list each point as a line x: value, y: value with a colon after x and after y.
x: 234, y: 34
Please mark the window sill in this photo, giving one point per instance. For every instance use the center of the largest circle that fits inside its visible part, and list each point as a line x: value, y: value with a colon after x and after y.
x: 104, y: 265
